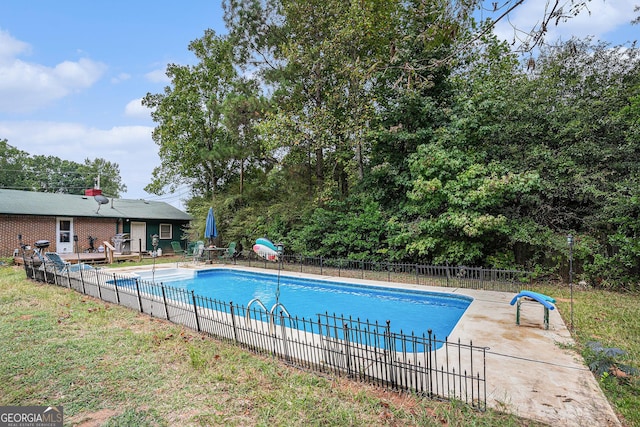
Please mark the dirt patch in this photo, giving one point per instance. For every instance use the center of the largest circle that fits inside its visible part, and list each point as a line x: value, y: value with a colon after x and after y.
x: 93, y: 419
x: 524, y: 332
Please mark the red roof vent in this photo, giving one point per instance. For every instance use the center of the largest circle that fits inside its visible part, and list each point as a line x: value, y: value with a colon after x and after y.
x: 92, y: 192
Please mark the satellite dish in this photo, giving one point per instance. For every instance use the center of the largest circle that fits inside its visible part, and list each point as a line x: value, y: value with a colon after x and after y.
x: 101, y: 200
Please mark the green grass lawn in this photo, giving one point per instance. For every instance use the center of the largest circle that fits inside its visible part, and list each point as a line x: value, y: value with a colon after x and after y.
x: 114, y: 366
x: 612, y: 319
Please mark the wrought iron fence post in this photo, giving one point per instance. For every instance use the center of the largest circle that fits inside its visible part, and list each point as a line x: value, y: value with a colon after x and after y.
x: 164, y: 299
x: 484, y: 378
x: 389, y: 350
x: 470, y: 373
x: 321, y: 266
x: 446, y: 343
x: 448, y: 273
x: 347, y: 352
x: 283, y: 329
x: 195, y: 310
x: 430, y: 362
x: 115, y: 286
x: 98, y: 282
x: 233, y: 322
x: 139, y: 297
x: 97, y: 275
x: 82, y: 282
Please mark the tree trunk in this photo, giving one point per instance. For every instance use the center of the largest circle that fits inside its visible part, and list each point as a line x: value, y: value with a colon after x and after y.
x: 241, y: 176
x: 360, y: 161
x: 320, y: 167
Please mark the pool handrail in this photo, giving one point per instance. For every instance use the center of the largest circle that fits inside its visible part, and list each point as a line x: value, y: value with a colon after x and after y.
x: 271, y: 318
x: 284, y: 309
x: 256, y: 300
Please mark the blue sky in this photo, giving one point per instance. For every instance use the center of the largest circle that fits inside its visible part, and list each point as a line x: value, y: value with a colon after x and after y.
x: 72, y: 73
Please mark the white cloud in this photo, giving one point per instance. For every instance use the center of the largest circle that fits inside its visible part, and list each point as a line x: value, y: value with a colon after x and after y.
x: 135, y: 109
x: 10, y: 47
x: 601, y: 17
x: 78, y: 75
x: 26, y: 86
x: 120, y: 78
x: 131, y: 147
x: 158, y: 76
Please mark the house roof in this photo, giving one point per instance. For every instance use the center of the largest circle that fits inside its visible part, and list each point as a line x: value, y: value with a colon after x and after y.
x: 14, y: 202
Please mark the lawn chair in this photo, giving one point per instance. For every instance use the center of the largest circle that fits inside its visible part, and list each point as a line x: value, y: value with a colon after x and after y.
x: 230, y: 253
x: 198, y: 252
x: 177, y: 249
x: 59, y: 264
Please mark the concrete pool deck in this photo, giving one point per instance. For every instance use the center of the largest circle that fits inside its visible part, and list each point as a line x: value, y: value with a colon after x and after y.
x: 531, y: 372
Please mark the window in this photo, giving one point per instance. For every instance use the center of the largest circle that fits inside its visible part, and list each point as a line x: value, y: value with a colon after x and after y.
x: 165, y: 231
x: 65, y: 231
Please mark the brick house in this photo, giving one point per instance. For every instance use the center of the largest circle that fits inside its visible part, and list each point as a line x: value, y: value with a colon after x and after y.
x: 59, y: 217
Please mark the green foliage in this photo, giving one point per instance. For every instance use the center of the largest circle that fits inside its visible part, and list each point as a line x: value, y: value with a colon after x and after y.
x: 13, y: 166
x: 401, y: 130
x: 604, y: 360
x: 197, y: 358
x: 457, y: 205
x: 205, y: 121
x: 50, y: 174
x: 353, y: 229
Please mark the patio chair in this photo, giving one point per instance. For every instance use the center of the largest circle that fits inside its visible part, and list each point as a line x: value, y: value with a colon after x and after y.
x: 230, y: 253
x: 198, y: 252
x: 177, y: 249
x: 59, y: 264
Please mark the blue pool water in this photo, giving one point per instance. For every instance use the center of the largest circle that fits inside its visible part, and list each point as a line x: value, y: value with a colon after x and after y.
x: 408, y: 310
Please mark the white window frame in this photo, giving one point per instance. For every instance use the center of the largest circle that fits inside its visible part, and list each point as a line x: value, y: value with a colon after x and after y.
x: 164, y: 236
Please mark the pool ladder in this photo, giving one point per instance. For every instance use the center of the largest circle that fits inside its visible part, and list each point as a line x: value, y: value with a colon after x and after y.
x: 271, y: 312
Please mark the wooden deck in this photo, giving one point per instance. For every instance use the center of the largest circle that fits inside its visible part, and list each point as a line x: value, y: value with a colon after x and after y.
x: 73, y: 258
x: 92, y: 258
x: 88, y: 258
x: 113, y: 256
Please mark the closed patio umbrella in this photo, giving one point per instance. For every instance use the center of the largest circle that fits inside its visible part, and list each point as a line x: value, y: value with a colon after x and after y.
x: 210, y: 231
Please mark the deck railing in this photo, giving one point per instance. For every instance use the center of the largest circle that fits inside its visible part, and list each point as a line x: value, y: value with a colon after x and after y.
x: 370, y: 352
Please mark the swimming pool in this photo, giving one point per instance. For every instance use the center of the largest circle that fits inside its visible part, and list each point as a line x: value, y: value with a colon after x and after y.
x: 407, y: 310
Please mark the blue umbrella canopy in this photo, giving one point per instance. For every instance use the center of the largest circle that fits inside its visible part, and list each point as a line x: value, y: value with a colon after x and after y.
x: 210, y: 230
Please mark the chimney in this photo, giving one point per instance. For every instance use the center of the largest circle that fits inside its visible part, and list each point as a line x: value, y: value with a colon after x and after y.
x: 92, y: 192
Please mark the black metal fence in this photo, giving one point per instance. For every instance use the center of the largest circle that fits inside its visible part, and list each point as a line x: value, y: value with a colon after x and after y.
x: 432, y: 275
x: 368, y: 352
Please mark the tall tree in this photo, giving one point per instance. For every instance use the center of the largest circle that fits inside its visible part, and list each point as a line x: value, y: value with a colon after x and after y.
x: 242, y: 111
x: 108, y: 173
x: 14, y: 166
x: 19, y: 170
x: 194, y: 143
